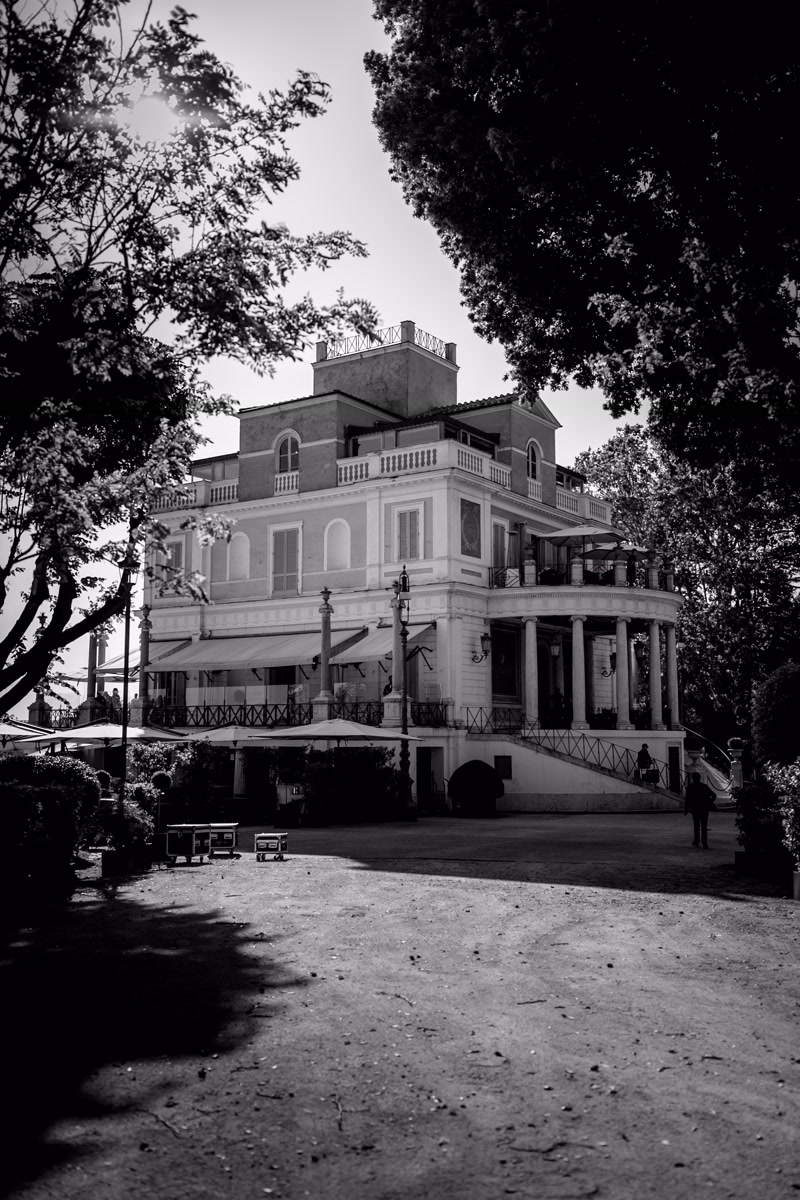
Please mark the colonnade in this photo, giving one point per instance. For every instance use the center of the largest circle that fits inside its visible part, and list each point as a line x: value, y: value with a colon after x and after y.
x: 623, y: 672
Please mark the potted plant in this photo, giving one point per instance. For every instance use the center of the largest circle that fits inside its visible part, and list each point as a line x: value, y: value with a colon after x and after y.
x: 128, y: 830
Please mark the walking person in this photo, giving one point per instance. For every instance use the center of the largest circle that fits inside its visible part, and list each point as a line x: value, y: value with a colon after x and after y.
x: 699, y: 801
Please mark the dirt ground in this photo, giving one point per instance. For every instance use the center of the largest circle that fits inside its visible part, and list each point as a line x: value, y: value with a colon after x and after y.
x: 533, y: 1006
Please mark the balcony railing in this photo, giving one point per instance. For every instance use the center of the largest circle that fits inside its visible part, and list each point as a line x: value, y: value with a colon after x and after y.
x: 198, y: 495
x: 212, y: 716
x: 432, y: 714
x: 534, y: 489
x: 365, y: 712
x: 287, y: 481
x: 577, y: 504
x: 432, y: 456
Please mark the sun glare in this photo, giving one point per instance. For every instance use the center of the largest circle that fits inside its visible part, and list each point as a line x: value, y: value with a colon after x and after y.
x: 152, y: 120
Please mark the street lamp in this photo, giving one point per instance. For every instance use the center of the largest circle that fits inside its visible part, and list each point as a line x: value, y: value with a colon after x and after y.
x: 128, y: 565
x: 402, y: 591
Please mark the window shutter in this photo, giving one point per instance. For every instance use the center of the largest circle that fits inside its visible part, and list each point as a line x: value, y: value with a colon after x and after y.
x: 407, y: 535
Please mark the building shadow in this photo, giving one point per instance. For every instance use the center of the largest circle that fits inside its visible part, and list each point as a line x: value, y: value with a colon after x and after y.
x: 106, y: 980
x: 648, y: 853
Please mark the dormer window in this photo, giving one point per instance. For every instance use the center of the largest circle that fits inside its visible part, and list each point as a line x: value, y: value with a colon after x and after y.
x: 288, y: 454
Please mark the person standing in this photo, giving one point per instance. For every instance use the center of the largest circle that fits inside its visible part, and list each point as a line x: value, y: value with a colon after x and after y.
x: 699, y: 801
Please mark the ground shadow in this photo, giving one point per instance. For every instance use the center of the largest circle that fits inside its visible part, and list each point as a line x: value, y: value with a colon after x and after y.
x: 106, y: 980
x: 648, y: 852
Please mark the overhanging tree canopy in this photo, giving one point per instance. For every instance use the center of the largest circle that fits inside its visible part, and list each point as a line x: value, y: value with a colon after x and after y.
x: 136, y: 174
x: 617, y: 185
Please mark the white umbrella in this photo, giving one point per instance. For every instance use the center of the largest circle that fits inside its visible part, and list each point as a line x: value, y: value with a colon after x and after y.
x: 106, y: 732
x: 335, y: 730
x: 12, y: 731
x: 226, y: 735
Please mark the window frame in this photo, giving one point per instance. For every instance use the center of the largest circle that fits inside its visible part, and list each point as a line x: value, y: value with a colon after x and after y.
x: 286, y: 528
x: 293, y: 453
x: 419, y: 509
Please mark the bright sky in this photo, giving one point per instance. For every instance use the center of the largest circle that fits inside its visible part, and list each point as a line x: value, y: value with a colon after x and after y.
x: 345, y: 184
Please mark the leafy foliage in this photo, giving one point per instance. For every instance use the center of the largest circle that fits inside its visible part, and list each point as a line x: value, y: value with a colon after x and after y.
x: 776, y: 729
x: 736, y: 555
x: 351, y: 784
x: 617, y: 193
x: 786, y: 781
x: 758, y: 819
x: 128, y: 827
x: 136, y: 174
x: 49, y: 800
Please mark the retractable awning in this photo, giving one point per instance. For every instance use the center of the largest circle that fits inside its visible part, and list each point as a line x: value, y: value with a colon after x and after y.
x: 157, y: 650
x: 375, y: 646
x: 225, y: 654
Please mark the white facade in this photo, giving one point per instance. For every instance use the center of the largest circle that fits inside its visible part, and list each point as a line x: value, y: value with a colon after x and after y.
x: 380, y: 469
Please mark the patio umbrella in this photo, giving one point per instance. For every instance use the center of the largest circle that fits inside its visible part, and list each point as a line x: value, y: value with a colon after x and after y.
x: 226, y: 735
x: 105, y: 732
x: 579, y: 533
x: 11, y: 731
x: 335, y: 730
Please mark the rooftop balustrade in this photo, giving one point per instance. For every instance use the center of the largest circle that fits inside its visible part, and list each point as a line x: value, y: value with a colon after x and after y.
x: 201, y: 493
x: 429, y: 457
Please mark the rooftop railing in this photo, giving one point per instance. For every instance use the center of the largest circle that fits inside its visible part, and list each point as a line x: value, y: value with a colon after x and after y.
x: 393, y: 335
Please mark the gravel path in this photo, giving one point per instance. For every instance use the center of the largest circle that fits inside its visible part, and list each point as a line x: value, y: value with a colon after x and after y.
x: 546, y: 1007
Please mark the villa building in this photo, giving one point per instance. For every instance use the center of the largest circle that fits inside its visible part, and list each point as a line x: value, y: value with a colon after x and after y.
x: 538, y: 640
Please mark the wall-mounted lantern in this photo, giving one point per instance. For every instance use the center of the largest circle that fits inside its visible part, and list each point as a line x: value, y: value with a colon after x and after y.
x: 486, y: 646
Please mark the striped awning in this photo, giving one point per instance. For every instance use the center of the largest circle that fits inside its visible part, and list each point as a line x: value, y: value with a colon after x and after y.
x: 375, y: 646
x: 225, y: 654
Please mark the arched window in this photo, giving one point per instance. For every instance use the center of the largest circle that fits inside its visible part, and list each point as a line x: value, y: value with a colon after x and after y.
x: 288, y: 454
x: 533, y: 460
x: 337, y: 545
x: 239, y: 557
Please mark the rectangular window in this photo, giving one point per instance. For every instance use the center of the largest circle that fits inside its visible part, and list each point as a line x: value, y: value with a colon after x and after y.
x: 285, y: 562
x: 502, y: 764
x: 499, y: 544
x: 409, y: 531
x: 175, y: 560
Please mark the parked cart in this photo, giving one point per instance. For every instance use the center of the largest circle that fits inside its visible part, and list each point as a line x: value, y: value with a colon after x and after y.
x: 275, y: 844
x: 224, y: 836
x: 188, y: 841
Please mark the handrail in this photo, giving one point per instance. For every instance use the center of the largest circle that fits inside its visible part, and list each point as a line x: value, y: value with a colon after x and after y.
x: 595, y: 751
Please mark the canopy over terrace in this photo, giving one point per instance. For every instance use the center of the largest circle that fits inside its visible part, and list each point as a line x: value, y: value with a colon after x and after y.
x: 376, y: 646
x: 257, y: 653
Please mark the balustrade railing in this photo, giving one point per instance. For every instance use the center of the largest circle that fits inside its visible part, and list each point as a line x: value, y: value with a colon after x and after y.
x: 287, y: 481
x: 431, y: 456
x: 534, y: 489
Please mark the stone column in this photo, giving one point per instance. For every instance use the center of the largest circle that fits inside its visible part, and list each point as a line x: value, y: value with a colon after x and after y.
x: 673, y: 699
x: 140, y: 707
x: 620, y: 567
x: 576, y: 572
x: 589, y: 655
x: 393, y: 703
x: 321, y: 705
x: 91, y: 668
x: 578, y: 675
x: 654, y: 676
x: 623, y: 676
x: 558, y: 667
x: 531, y: 672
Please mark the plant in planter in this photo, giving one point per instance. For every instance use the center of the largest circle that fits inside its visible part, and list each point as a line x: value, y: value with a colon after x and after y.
x: 128, y: 830
x: 104, y: 779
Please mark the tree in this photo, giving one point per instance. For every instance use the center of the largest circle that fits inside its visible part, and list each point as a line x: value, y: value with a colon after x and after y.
x: 134, y: 178
x: 776, y: 735
x: 617, y: 186
x: 737, y: 561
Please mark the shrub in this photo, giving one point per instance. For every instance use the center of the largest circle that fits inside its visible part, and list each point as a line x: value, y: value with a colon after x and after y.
x: 786, y: 781
x: 145, y: 758
x: 161, y: 780
x: 104, y: 779
x: 758, y: 819
x: 68, y: 801
x: 351, y: 784
x: 127, y: 828
x: 776, y: 730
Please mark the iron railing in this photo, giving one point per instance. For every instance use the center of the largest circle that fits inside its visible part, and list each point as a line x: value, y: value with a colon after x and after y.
x: 365, y: 712
x: 432, y: 714
x: 428, y: 342
x: 199, y: 716
x: 595, y: 751
x: 391, y: 336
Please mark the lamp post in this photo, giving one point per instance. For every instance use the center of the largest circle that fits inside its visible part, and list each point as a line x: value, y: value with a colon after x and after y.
x: 403, y: 598
x: 128, y: 565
